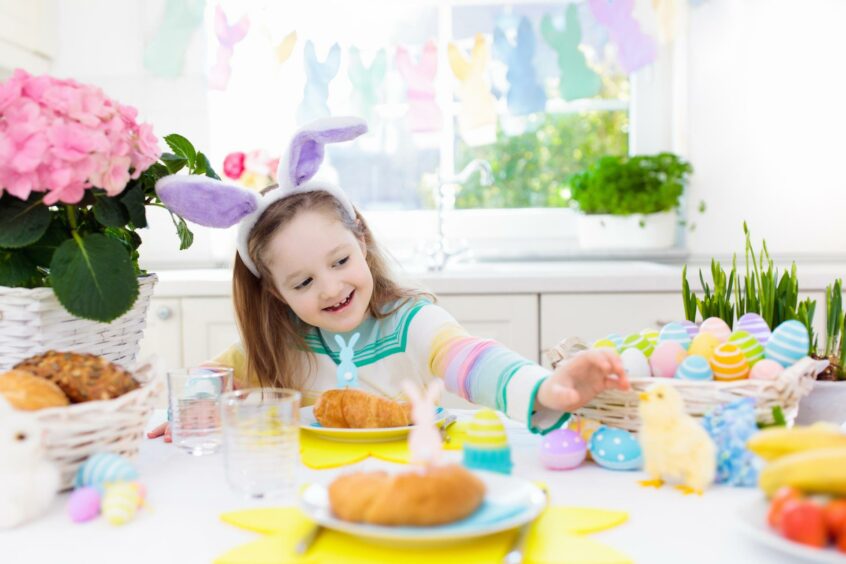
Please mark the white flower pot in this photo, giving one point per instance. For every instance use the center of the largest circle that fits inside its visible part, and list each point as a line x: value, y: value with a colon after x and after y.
x: 826, y: 402
x: 636, y: 231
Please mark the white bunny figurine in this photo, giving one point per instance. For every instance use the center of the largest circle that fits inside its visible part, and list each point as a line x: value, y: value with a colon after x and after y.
x: 347, y: 375
x: 28, y: 481
x: 424, y: 441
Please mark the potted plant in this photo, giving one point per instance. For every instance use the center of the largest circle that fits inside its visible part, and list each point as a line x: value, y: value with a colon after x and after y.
x: 629, y: 202
x: 77, y: 172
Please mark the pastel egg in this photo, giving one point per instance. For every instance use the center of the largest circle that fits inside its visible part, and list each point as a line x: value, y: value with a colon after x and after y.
x: 616, y: 339
x: 666, y: 358
x: 703, y: 345
x: 788, y: 343
x: 84, y: 504
x: 635, y: 363
x: 104, y: 467
x: 691, y: 327
x: 749, y: 345
x: 695, y: 367
x: 729, y: 363
x: 486, y: 430
x: 562, y: 449
x: 755, y: 325
x: 717, y: 327
x: 121, y: 501
x: 604, y: 344
x: 651, y: 335
x: 639, y: 342
x: 615, y: 449
x: 766, y: 369
x: 675, y: 332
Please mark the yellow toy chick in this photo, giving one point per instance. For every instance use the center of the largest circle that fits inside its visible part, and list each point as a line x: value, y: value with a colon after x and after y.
x: 674, y: 445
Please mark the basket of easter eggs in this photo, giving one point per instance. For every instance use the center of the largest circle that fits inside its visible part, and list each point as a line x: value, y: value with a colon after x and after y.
x: 710, y: 364
x: 84, y: 404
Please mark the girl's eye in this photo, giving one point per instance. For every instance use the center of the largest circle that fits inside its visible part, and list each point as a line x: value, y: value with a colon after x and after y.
x: 304, y: 284
x: 342, y: 262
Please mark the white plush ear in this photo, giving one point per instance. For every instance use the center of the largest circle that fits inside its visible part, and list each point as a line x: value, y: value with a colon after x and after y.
x: 205, y: 200
x: 433, y: 392
x: 411, y: 391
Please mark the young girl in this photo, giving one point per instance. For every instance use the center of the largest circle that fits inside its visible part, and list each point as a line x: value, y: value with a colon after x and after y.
x: 308, y: 271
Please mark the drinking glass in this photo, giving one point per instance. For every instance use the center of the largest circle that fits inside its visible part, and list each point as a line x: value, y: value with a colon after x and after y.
x: 194, y: 407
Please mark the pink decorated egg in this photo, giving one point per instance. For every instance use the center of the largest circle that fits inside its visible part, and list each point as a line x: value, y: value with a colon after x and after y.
x: 766, y: 369
x: 717, y: 327
x: 84, y: 504
x: 666, y: 358
x: 562, y: 449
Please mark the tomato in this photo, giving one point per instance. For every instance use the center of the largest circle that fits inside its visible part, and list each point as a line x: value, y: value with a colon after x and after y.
x: 782, y: 496
x: 835, y: 516
x: 841, y: 540
x: 803, y: 521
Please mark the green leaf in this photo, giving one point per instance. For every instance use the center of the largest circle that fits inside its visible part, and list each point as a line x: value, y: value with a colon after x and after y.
x: 204, y: 167
x: 22, y: 223
x: 41, y: 252
x: 16, y: 269
x: 186, y: 237
x: 133, y: 200
x: 182, y: 148
x: 174, y: 163
x: 110, y: 212
x: 93, y: 277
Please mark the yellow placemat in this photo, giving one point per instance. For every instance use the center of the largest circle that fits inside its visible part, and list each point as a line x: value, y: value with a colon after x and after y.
x: 557, y: 537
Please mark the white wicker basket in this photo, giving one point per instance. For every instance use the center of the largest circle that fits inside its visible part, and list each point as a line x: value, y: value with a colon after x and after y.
x: 75, y: 432
x: 33, y: 321
x: 619, y: 409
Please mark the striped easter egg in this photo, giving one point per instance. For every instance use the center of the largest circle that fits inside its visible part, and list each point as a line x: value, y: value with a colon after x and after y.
x: 691, y: 327
x: 788, y: 343
x: 639, y: 342
x: 703, y: 345
x: 651, y: 335
x: 604, y: 344
x: 717, y: 327
x: 616, y: 339
x: 675, y: 332
x: 104, y: 467
x: 749, y: 345
x: 695, y: 367
x: 755, y: 325
x: 486, y: 430
x: 121, y: 501
x: 729, y: 363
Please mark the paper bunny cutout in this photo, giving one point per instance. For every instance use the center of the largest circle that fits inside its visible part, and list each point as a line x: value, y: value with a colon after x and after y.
x: 347, y: 374
x: 424, y: 115
x: 525, y: 93
x: 667, y: 12
x: 424, y: 440
x: 634, y: 49
x: 477, y: 116
x: 366, y: 81
x: 228, y: 35
x: 577, y: 79
x: 28, y: 480
x: 318, y: 76
x: 215, y: 203
x: 285, y: 47
x: 165, y: 54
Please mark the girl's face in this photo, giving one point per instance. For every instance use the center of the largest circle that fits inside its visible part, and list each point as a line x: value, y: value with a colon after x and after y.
x: 319, y: 268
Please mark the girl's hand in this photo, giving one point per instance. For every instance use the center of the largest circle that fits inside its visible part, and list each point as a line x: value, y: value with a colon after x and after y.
x: 576, y: 381
x: 163, y: 429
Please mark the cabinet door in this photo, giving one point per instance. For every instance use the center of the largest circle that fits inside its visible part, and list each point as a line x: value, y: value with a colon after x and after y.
x: 163, y: 333
x: 209, y: 328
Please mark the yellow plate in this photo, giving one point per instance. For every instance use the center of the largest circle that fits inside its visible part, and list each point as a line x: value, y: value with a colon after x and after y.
x: 384, y: 434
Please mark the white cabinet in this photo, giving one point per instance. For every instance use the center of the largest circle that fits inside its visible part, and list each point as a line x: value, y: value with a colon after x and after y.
x: 209, y: 328
x: 163, y: 333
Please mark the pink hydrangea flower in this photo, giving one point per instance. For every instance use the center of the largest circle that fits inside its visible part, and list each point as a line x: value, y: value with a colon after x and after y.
x: 233, y: 165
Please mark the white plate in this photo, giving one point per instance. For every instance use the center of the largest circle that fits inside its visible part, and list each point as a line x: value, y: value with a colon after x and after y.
x: 753, y: 521
x: 522, y: 500
x: 308, y: 422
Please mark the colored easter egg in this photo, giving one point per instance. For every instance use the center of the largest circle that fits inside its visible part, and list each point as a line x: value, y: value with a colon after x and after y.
x: 666, y: 358
x: 675, y: 332
x: 755, y: 325
x: 635, y: 363
x: 717, y: 327
x: 121, y: 501
x: 651, y: 335
x: 104, y: 467
x: 766, y: 369
x: 639, y: 342
x: 604, y: 344
x: 562, y: 449
x: 695, y: 367
x: 616, y: 339
x: 691, y: 327
x: 729, y: 363
x: 84, y: 504
x: 615, y: 449
x: 486, y: 444
x: 703, y: 345
x: 788, y: 343
x: 749, y: 345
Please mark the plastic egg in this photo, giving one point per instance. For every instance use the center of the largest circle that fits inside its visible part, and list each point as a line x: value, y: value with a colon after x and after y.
x: 84, y: 504
x: 676, y: 333
x: 766, y: 369
x: 717, y: 327
x: 651, y: 335
x: 121, y: 501
x: 691, y: 327
x: 486, y: 444
x: 635, y: 363
x: 788, y: 343
x: 104, y: 467
x: 639, y: 342
x: 749, y: 345
x: 703, y: 345
x: 729, y: 363
x: 666, y: 358
x: 615, y: 449
x: 695, y: 367
x: 562, y: 449
x: 755, y: 325
x: 604, y: 343
x: 616, y: 339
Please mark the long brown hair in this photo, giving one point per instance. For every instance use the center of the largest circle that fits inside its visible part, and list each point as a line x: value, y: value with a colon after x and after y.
x: 272, y: 335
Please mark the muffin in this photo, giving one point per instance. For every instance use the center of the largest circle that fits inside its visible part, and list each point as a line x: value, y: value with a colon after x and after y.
x: 81, y: 376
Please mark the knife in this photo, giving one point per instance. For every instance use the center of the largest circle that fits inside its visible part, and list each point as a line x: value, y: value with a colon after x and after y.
x: 515, y: 555
x: 308, y: 539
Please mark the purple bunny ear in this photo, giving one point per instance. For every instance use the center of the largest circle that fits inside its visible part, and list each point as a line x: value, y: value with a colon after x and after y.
x: 307, y: 146
x: 206, y: 201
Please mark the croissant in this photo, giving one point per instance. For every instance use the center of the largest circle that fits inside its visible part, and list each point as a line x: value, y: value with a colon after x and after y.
x: 354, y: 409
x: 438, y: 495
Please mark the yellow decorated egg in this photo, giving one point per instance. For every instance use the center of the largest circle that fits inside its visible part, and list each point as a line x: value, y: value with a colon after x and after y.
x: 121, y: 501
x: 486, y: 430
x: 703, y: 345
x: 639, y: 342
x: 717, y: 327
x: 729, y: 363
x: 752, y: 349
x: 605, y: 344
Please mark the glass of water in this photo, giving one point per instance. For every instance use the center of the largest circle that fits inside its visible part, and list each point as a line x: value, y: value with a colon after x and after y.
x: 261, y: 440
x: 194, y: 407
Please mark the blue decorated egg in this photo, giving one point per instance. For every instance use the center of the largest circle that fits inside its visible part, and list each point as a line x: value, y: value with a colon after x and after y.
x: 615, y: 449
x: 755, y: 325
x: 788, y: 343
x: 675, y: 332
x: 695, y: 367
x: 616, y: 339
x: 103, y: 468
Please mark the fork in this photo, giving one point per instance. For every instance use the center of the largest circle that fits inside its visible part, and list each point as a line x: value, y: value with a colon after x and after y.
x: 448, y: 420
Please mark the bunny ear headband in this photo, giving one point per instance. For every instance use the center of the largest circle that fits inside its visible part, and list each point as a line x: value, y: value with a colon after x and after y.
x: 215, y: 203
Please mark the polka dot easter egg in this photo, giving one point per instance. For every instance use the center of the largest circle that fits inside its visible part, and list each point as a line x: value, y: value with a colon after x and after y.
x: 651, y: 336
x: 695, y: 367
x: 104, y: 467
x: 121, y: 501
x: 729, y: 363
x: 703, y: 345
x: 666, y: 358
x: 691, y: 328
x: 788, y: 343
x: 717, y: 327
x: 755, y: 325
x: 639, y: 342
x: 562, y: 449
x: 749, y: 345
x: 766, y: 370
x: 676, y: 333
x: 615, y: 449
x: 605, y: 344
x: 635, y: 364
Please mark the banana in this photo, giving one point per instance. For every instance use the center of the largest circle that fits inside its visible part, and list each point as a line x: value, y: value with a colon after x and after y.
x: 812, y: 471
x: 772, y: 444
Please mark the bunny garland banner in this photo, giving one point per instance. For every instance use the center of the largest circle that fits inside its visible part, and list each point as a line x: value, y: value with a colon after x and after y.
x: 577, y: 79
x: 477, y: 117
x: 228, y: 35
x: 347, y: 376
x: 165, y: 54
x: 286, y: 47
x: 525, y: 92
x: 315, y: 102
x: 424, y: 115
x: 366, y: 81
x: 635, y: 50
